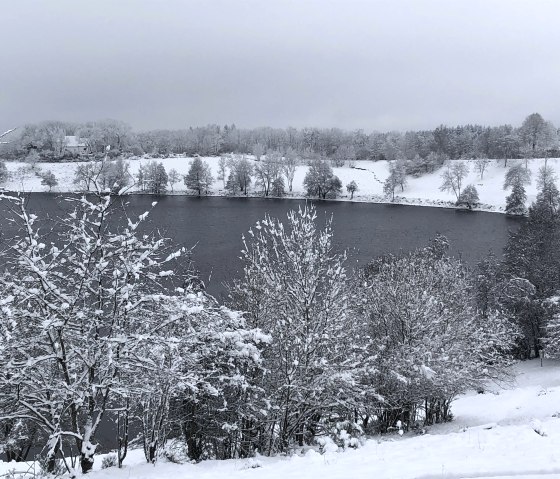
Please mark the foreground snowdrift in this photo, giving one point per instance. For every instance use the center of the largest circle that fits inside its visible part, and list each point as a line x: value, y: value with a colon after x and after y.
x: 511, y: 432
x: 368, y: 175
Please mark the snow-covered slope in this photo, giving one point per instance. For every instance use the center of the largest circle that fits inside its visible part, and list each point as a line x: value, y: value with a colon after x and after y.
x: 368, y: 175
x: 511, y: 432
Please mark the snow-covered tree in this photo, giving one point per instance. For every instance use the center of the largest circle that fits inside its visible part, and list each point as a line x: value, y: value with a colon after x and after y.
x: 3, y: 172
x: 32, y: 158
x: 278, y: 189
x: 294, y: 288
x: 552, y: 340
x: 390, y: 185
x: 115, y: 175
x: 397, y: 177
x: 289, y: 167
x: 87, y: 176
x: 155, y: 178
x: 49, y: 179
x: 517, y: 175
x: 537, y: 135
x: 532, y: 255
x: 71, y: 310
x: 199, y: 382
x: 240, y: 175
x: 267, y: 170
x: 351, y: 188
x: 425, y: 335
x: 515, y: 201
x: 321, y: 182
x: 173, y: 177
x: 258, y: 151
x: 468, y: 197
x: 453, y: 177
x: 199, y: 178
x: 141, y: 177
x: 481, y: 164
x: 222, y: 168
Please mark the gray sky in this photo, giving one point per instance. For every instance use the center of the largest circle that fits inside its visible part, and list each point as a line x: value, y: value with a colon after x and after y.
x: 376, y: 65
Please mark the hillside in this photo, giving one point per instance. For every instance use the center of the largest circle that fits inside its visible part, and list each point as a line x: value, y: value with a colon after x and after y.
x: 368, y: 175
x: 506, y: 432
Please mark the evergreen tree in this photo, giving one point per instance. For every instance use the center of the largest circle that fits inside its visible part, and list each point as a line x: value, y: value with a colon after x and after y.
x: 532, y: 255
x: 278, y: 188
x: 548, y: 197
x: 199, y: 178
x: 515, y: 202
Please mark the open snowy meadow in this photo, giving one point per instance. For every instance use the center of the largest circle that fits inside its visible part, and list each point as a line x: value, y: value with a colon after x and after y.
x: 368, y: 175
x: 511, y: 430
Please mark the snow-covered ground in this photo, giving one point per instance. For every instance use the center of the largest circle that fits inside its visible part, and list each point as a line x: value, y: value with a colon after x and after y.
x: 511, y: 432
x: 368, y: 175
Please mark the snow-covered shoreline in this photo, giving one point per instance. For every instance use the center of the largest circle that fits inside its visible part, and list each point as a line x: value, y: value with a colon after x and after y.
x: 370, y: 176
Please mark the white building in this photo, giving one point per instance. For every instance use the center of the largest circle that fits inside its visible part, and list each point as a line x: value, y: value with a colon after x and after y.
x: 75, y: 145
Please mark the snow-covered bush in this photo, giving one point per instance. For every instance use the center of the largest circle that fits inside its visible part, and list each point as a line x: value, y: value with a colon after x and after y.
x: 110, y: 460
x: 175, y: 451
x: 200, y: 381
x: 427, y: 338
x: 327, y: 445
x: 347, y: 434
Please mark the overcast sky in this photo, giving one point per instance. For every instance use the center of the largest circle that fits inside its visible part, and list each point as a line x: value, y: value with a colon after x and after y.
x: 375, y: 65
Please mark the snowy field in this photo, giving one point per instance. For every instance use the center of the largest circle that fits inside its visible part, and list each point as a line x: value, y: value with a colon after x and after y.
x: 506, y: 432
x: 368, y: 175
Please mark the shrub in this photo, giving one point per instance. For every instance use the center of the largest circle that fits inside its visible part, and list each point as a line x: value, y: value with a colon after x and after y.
x: 110, y: 460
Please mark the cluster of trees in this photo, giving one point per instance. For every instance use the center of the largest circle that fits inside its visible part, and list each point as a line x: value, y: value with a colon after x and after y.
x: 532, y: 256
x: 98, y: 324
x: 98, y: 176
x: 525, y: 283
x: 152, y: 177
x: 47, y: 139
x: 102, y: 322
x: 535, y: 137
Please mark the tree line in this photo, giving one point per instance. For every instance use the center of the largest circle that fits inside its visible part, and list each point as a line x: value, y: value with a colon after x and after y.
x: 534, y: 137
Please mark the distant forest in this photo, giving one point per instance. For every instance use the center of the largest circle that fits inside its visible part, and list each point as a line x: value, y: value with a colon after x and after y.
x: 535, y: 137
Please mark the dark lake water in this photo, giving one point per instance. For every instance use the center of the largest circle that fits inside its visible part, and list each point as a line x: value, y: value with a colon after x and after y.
x: 213, y: 226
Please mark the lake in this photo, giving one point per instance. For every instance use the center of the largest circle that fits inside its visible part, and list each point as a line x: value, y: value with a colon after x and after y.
x: 213, y: 226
